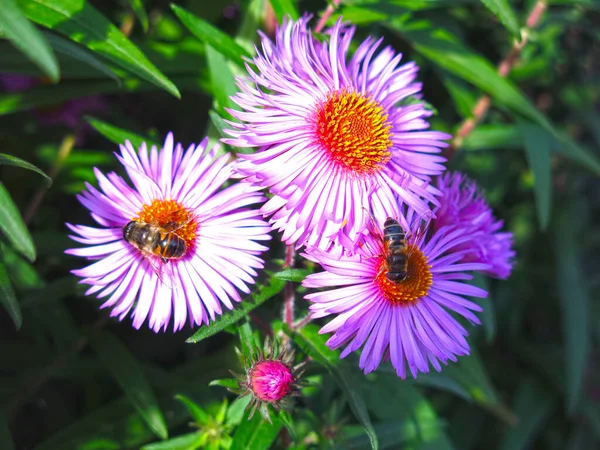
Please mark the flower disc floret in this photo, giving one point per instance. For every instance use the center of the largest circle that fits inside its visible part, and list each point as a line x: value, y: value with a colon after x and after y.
x: 335, y: 135
x: 354, y: 130
x: 170, y: 215
x: 416, y: 284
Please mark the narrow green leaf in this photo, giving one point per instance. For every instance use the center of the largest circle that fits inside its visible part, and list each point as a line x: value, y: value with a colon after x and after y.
x: 532, y: 404
x: 228, y: 383
x: 80, y: 54
x: 441, y: 382
x: 486, y: 137
x: 288, y: 422
x: 13, y: 227
x: 189, y: 441
x: 6, y: 440
x: 235, y: 412
x: 140, y: 12
x: 196, y: 412
x: 504, y: 12
x: 443, y: 49
x: 295, y: 275
x: 537, y: 149
x: 574, y: 302
x: 264, y: 293
x: 284, y: 8
x: 246, y: 339
x: 222, y: 80
x: 212, y: 36
x: 9, y: 160
x: 8, y: 297
x: 118, y: 135
x: 309, y: 339
x: 83, y: 23
x: 129, y: 375
x: 256, y: 433
x: 27, y: 38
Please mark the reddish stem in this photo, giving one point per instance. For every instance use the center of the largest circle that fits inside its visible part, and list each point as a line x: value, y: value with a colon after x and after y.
x: 326, y: 15
x: 289, y: 294
x: 483, y: 104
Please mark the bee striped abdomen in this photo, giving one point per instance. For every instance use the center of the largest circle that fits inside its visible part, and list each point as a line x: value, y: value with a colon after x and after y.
x: 394, y: 240
x: 170, y: 246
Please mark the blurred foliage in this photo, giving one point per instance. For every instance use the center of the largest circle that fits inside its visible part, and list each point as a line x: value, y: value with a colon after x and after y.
x: 74, y: 379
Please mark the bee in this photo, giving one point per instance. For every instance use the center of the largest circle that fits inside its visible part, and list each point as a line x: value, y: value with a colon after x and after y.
x: 396, y: 258
x: 152, y: 239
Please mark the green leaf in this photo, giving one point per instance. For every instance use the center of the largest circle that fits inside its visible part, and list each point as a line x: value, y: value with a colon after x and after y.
x: 80, y: 54
x: 283, y: 8
x: 189, y: 441
x: 129, y: 375
x: 28, y: 39
x: 212, y: 36
x: 246, y: 339
x: 9, y: 160
x: 574, y: 302
x: 228, y: 383
x: 264, y: 293
x: 532, y: 404
x: 83, y: 23
x: 222, y: 80
x: 140, y: 12
x: 537, y: 149
x: 119, y: 135
x: 6, y: 440
x: 442, y: 48
x: 486, y: 137
x: 295, y: 275
x: 256, y: 433
x: 13, y: 227
x: 8, y: 297
x: 309, y: 339
x: 197, y: 413
x: 504, y: 12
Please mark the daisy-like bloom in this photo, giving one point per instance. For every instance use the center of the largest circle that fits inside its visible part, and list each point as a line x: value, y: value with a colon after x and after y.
x: 407, y: 321
x: 333, y: 133
x: 176, y: 244
x: 463, y: 205
x: 271, y: 378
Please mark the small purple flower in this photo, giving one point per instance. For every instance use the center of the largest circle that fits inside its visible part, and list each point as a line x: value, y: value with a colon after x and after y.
x: 333, y: 134
x: 205, y: 250
x: 463, y: 205
x: 407, y: 321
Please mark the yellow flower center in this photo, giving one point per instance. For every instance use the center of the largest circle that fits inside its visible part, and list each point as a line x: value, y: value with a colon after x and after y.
x: 171, y: 216
x: 355, y: 131
x: 416, y: 284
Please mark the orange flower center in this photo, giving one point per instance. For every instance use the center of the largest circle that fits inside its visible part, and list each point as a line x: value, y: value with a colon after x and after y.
x: 355, y: 131
x: 416, y: 284
x: 171, y: 216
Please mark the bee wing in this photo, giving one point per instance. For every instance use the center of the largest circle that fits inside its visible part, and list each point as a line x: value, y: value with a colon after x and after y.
x: 157, y: 266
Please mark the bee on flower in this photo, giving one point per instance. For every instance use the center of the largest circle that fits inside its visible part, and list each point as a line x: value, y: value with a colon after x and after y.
x: 405, y: 317
x: 178, y: 244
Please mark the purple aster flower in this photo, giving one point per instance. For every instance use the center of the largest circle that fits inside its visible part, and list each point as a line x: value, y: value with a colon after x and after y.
x: 463, y: 205
x: 407, y: 320
x: 332, y: 133
x: 177, y: 243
